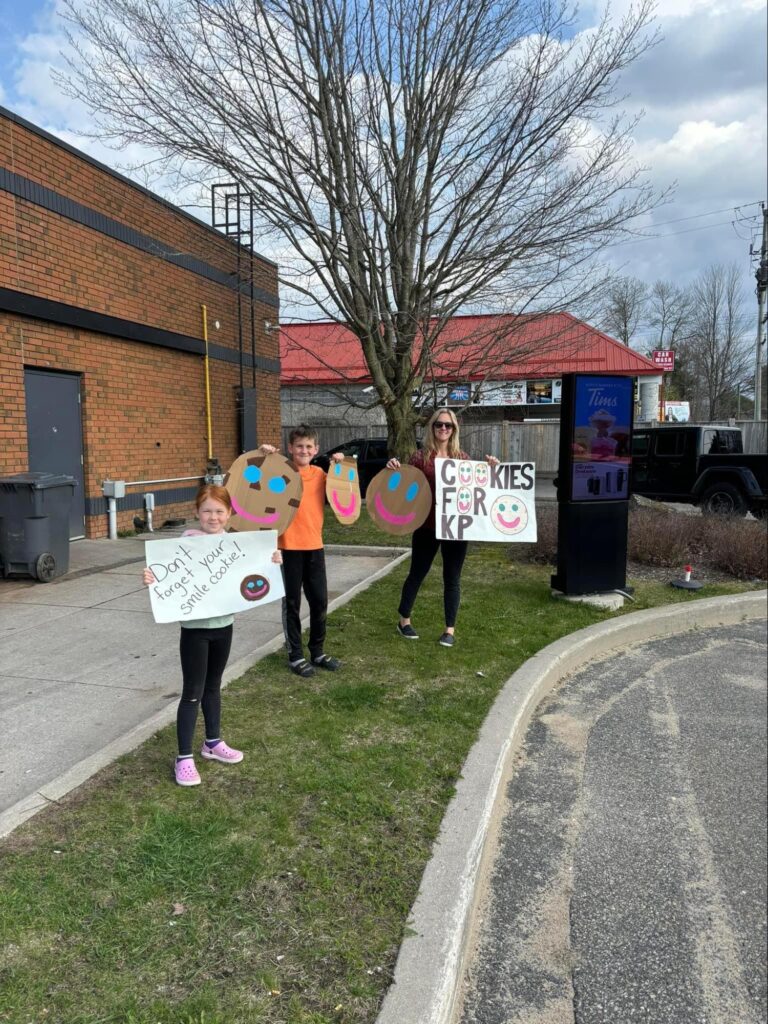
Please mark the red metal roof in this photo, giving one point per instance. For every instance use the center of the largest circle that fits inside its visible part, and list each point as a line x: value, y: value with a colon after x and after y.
x: 496, y: 347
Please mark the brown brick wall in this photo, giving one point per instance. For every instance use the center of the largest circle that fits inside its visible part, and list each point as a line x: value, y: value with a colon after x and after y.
x: 143, y: 406
x: 34, y: 157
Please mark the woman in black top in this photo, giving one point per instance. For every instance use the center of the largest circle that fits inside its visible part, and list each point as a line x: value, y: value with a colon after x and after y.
x: 441, y: 441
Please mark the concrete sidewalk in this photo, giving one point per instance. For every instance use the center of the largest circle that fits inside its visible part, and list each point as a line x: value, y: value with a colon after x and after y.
x: 88, y: 674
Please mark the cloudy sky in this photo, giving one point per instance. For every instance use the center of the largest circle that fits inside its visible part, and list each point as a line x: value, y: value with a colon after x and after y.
x: 703, y: 90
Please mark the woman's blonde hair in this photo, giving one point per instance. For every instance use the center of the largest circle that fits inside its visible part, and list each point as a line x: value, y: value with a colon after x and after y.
x: 454, y: 449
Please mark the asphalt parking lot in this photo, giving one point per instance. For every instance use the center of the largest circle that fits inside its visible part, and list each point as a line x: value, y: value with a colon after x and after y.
x: 629, y: 883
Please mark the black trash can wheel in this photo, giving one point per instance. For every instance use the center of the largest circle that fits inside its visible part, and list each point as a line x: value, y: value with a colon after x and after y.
x: 45, y: 567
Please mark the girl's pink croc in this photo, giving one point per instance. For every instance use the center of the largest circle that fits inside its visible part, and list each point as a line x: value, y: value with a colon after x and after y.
x: 221, y: 752
x: 186, y: 773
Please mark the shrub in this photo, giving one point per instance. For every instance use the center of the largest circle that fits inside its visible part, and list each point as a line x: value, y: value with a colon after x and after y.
x: 735, y: 546
x: 660, y: 537
x: 544, y: 551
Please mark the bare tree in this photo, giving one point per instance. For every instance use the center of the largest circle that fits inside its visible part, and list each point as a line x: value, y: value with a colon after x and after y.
x: 718, y: 347
x: 413, y: 159
x: 624, y: 308
x: 669, y: 311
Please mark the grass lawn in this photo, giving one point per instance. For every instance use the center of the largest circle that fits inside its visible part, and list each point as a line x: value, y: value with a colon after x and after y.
x: 279, y: 889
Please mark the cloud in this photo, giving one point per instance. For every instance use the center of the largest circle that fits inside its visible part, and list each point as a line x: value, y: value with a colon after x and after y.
x: 702, y: 88
x: 703, y: 151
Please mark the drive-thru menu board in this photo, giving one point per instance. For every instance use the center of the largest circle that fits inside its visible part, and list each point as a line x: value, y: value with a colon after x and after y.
x: 601, y: 438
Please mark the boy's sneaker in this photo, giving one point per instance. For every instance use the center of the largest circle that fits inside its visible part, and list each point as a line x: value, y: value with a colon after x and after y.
x: 221, y: 752
x: 186, y: 773
x: 446, y: 640
x: 407, y: 631
x: 327, y: 662
x: 301, y: 668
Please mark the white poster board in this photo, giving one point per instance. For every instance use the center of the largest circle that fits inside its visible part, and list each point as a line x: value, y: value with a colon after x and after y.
x: 477, y: 501
x: 215, y: 574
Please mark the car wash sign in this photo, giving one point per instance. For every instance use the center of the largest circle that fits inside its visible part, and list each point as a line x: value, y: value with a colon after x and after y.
x: 478, y: 501
x: 664, y: 359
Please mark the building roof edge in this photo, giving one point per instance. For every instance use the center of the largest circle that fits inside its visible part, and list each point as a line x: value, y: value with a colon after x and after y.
x: 56, y: 141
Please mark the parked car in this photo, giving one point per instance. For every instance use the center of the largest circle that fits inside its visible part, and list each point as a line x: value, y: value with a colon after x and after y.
x: 700, y: 465
x: 371, y: 454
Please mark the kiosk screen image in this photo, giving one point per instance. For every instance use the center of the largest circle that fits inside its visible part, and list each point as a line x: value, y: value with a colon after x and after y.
x: 601, y: 438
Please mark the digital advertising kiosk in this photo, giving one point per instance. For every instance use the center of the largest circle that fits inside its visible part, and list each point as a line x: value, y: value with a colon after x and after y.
x: 593, y: 484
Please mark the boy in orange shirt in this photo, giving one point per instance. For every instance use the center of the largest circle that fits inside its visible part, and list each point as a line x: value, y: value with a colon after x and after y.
x: 304, y: 558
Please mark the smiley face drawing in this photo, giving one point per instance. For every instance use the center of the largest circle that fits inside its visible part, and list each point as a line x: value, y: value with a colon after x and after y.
x: 481, y: 474
x: 465, y: 473
x: 399, y: 500
x: 265, y: 492
x: 509, y: 515
x: 342, y: 489
x: 254, y: 588
x: 464, y: 500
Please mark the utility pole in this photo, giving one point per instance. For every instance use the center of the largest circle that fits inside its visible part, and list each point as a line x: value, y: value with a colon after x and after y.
x: 761, y: 274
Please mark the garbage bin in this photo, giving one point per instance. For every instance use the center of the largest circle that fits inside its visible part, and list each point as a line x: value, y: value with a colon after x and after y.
x: 34, y: 524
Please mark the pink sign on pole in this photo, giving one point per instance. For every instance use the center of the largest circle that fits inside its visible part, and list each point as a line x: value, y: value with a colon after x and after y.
x: 664, y: 358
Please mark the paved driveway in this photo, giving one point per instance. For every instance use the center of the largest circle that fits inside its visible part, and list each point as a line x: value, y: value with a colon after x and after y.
x: 630, y: 880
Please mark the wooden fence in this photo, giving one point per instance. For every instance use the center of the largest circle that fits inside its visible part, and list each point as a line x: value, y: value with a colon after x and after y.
x: 511, y: 442
x: 516, y: 442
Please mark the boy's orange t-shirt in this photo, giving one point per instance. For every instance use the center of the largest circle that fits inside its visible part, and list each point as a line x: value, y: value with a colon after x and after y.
x: 306, y: 531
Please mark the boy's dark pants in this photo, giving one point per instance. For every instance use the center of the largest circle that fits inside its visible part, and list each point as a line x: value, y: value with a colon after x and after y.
x: 304, y: 569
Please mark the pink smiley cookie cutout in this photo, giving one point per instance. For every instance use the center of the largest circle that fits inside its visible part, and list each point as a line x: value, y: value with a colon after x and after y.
x: 509, y: 515
x: 399, y: 500
x: 342, y: 489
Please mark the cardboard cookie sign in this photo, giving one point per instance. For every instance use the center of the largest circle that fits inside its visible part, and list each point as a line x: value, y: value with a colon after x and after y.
x: 342, y: 489
x: 399, y: 500
x: 265, y: 492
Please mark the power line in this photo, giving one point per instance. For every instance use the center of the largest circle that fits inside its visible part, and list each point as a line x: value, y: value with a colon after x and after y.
x: 674, y: 234
x: 710, y: 213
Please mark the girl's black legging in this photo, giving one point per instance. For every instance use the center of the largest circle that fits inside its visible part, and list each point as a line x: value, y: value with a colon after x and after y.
x: 424, y: 547
x: 204, y: 654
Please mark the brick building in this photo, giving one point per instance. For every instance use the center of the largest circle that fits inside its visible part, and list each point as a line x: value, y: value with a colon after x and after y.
x: 101, y: 337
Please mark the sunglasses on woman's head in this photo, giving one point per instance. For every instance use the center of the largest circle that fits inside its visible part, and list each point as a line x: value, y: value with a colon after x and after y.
x: 443, y: 425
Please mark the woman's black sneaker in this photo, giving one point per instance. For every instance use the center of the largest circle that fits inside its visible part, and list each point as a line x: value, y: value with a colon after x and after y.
x: 408, y: 632
x: 446, y: 640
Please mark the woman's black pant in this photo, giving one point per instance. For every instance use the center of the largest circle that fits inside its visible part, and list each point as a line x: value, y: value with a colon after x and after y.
x: 304, y: 570
x: 424, y: 547
x: 204, y: 654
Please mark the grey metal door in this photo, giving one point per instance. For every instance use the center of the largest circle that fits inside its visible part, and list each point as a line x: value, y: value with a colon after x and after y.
x: 55, y: 433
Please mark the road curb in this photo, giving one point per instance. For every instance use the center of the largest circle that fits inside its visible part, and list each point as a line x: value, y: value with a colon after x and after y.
x: 79, y: 773
x: 430, y: 963
x: 366, y: 549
